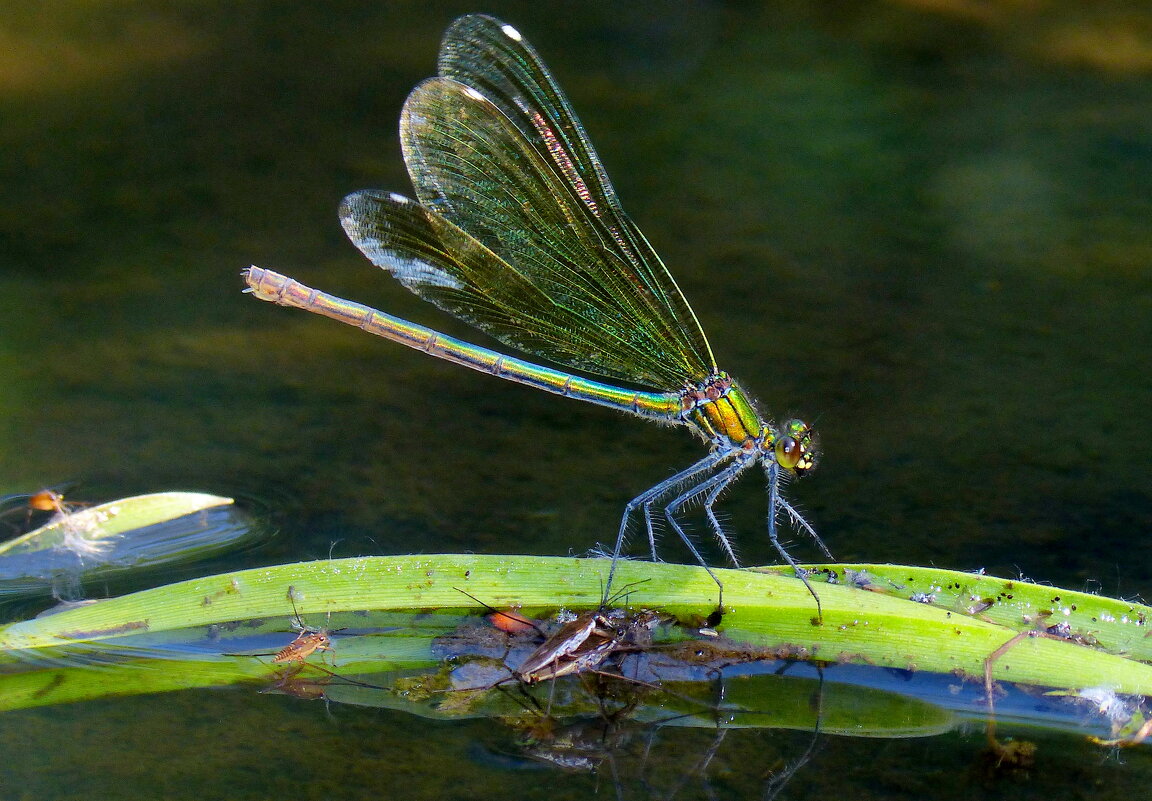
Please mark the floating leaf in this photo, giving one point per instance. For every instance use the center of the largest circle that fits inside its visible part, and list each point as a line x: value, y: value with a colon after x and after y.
x: 132, y: 534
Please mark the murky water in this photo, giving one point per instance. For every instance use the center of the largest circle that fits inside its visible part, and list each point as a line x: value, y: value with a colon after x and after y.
x: 922, y: 225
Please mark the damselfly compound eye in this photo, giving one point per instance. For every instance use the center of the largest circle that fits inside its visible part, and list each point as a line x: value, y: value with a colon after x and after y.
x: 788, y: 452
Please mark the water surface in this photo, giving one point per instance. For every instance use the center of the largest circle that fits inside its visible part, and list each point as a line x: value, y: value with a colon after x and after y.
x: 923, y: 226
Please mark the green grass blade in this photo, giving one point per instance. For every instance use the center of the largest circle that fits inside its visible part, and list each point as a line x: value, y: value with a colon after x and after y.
x: 771, y: 612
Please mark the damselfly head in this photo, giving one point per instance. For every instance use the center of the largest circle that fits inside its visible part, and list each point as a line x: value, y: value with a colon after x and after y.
x: 796, y: 447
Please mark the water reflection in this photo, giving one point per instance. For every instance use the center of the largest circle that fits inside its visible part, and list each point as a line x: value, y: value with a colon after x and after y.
x: 979, y: 407
x: 701, y: 696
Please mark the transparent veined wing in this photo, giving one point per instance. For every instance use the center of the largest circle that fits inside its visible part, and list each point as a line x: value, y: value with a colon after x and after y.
x: 453, y: 270
x: 504, y: 159
x: 495, y: 59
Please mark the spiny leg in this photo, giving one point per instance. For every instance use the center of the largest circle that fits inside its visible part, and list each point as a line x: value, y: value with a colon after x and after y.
x: 642, y: 500
x: 772, y: 471
x: 705, y: 465
x: 650, y: 496
x: 800, y: 522
x: 718, y: 529
x: 713, y: 487
x: 719, y: 480
x: 675, y: 483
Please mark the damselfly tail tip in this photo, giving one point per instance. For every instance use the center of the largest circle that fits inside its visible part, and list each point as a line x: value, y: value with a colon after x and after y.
x: 246, y: 274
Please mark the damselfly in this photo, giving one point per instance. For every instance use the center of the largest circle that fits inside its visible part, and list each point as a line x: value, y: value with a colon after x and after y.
x: 517, y: 230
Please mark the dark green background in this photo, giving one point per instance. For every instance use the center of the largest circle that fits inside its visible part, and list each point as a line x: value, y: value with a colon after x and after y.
x: 923, y: 226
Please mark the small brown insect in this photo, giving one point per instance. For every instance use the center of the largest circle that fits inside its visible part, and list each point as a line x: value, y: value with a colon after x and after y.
x: 78, y: 526
x: 47, y: 501
x: 580, y: 645
x: 308, y: 640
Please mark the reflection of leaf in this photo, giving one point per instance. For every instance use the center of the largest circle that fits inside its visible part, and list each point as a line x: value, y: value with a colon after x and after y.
x: 95, y: 542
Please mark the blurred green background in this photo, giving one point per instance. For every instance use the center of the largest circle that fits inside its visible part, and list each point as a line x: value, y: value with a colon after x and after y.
x: 921, y: 225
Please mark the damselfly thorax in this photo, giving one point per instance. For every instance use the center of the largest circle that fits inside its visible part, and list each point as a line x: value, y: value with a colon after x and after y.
x: 724, y: 415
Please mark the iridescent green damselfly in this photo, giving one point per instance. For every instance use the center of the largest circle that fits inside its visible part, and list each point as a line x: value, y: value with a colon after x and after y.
x: 517, y: 230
